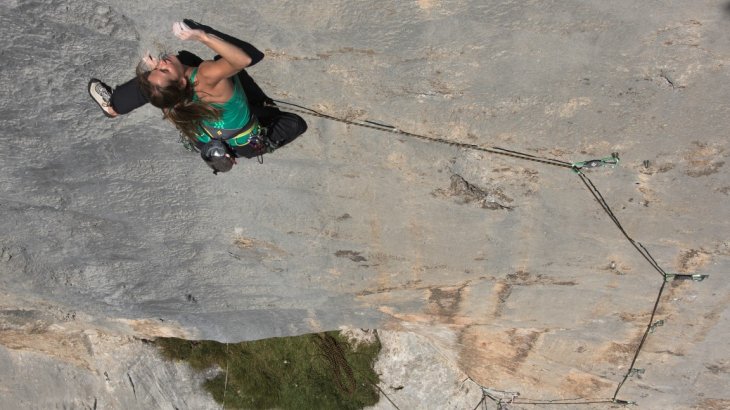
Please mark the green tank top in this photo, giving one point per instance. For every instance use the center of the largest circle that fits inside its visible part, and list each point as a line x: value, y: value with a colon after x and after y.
x: 235, y: 112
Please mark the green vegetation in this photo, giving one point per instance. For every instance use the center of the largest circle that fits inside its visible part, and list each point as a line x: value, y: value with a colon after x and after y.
x: 315, y: 371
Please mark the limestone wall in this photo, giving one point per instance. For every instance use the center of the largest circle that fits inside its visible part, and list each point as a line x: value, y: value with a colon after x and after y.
x: 110, y: 226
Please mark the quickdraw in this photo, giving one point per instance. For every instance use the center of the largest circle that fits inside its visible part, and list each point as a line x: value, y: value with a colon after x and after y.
x: 613, y: 160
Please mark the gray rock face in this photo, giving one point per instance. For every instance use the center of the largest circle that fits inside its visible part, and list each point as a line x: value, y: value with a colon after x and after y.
x: 111, y: 226
x: 116, y: 373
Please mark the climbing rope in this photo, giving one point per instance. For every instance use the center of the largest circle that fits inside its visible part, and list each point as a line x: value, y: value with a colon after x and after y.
x: 578, y: 168
x: 601, y: 201
x: 388, y: 128
x: 649, y: 329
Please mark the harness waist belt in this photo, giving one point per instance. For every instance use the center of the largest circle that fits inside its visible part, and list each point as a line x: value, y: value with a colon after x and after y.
x: 234, y: 137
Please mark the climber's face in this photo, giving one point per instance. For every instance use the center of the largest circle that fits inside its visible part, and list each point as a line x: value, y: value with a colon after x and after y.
x: 169, y: 70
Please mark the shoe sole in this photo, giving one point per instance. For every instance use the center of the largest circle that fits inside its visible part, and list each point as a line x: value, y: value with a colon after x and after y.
x: 94, y: 98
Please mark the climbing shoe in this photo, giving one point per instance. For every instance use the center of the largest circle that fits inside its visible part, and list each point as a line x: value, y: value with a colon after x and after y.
x: 102, y: 96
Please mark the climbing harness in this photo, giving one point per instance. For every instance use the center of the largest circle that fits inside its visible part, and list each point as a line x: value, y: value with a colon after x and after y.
x: 249, y: 141
x: 248, y: 135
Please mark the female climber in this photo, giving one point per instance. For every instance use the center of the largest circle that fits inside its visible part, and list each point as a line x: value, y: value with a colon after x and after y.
x: 207, y: 102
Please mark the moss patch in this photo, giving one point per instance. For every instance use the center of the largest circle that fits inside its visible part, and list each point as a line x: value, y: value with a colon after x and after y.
x: 321, y: 370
